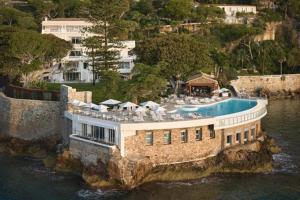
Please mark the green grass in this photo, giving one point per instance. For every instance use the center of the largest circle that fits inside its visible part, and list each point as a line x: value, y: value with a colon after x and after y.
x: 97, y: 90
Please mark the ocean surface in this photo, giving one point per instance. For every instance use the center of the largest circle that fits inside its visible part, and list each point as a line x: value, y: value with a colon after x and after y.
x: 27, y: 179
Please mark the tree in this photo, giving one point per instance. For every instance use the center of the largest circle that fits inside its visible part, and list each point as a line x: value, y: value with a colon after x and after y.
x: 146, y: 83
x: 13, y: 17
x: 26, y: 51
x: 93, y: 52
x: 293, y: 58
x: 178, y: 9
x: 179, y: 55
x: 41, y: 9
x: 106, y: 16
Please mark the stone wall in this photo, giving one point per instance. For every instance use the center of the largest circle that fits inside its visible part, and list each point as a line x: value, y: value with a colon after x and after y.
x: 89, y: 153
x: 274, y: 83
x: 176, y: 152
x: 29, y: 119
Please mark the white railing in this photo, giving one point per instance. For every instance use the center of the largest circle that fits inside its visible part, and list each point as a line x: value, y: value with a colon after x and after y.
x: 240, y: 119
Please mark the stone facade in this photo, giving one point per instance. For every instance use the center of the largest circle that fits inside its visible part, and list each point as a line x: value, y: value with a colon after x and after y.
x: 89, y: 153
x: 274, y: 83
x: 178, y: 151
x: 29, y: 119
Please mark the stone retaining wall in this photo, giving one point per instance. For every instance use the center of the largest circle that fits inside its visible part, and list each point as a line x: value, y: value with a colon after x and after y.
x: 177, y: 152
x: 273, y: 84
x: 29, y: 119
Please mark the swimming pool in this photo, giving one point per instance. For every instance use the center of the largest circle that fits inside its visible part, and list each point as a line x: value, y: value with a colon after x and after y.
x: 222, y: 108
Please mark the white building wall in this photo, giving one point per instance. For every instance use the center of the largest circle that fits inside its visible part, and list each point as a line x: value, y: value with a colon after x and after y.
x: 67, y: 29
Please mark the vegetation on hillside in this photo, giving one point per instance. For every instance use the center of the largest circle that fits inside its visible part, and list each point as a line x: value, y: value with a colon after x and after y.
x: 217, y: 48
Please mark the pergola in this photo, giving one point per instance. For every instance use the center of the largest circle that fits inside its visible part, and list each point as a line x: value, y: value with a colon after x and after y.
x: 201, y: 85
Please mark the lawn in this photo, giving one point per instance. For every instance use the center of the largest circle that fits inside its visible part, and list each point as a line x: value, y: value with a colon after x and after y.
x: 97, y: 90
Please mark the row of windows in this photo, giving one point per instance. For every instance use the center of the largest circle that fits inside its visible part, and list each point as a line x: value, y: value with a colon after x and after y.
x: 229, y: 138
x: 167, y: 137
x: 98, y: 133
x: 67, y: 28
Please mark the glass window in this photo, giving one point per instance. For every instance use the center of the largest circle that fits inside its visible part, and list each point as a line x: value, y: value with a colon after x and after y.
x: 229, y: 139
x: 167, y: 137
x: 75, y: 53
x: 238, y: 137
x: 252, y: 133
x: 184, y: 136
x: 98, y: 133
x: 72, y: 76
x: 111, y: 136
x: 76, y: 40
x: 246, y: 135
x: 84, y: 130
x: 55, y: 28
x: 149, y: 138
x: 212, y: 133
x: 198, y: 134
x: 124, y: 65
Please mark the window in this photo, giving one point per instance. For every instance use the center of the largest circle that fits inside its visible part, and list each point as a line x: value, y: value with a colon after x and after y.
x: 229, y: 139
x: 84, y: 130
x: 184, y: 136
x: 73, y: 28
x: 198, y: 134
x: 98, y: 133
x: 252, y: 133
x: 72, y: 76
x: 111, y: 135
x: 149, y: 138
x: 238, y: 137
x: 124, y: 65
x: 212, y: 133
x: 55, y: 28
x: 167, y: 137
x: 85, y: 65
x: 76, y: 40
x: 75, y: 53
x: 246, y: 135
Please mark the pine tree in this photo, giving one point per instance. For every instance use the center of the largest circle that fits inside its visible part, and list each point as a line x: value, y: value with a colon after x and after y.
x: 103, y: 48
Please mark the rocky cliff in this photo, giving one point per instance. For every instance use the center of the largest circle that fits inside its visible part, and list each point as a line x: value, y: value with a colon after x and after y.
x: 254, y: 157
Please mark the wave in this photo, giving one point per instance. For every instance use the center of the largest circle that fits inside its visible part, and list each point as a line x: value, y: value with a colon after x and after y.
x: 99, y: 194
x: 284, y: 163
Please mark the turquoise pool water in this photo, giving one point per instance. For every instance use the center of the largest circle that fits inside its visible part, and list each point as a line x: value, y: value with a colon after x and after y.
x: 223, y: 108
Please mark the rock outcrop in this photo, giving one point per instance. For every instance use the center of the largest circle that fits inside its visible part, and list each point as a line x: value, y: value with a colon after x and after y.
x: 254, y: 157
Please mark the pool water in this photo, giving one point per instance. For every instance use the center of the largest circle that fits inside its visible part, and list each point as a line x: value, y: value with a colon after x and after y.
x: 223, y: 108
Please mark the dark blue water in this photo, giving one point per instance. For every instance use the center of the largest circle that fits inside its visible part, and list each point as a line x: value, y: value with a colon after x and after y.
x: 24, y: 179
x: 224, y: 108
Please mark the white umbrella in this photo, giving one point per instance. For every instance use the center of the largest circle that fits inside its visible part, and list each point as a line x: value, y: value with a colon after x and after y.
x: 128, y: 105
x: 161, y: 110
x: 141, y: 109
x: 150, y: 104
x: 91, y: 105
x: 216, y: 91
x: 102, y: 108
x: 110, y: 102
x: 75, y: 102
x: 224, y: 90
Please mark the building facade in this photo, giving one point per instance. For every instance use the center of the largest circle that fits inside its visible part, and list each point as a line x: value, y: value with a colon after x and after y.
x: 234, y: 13
x: 76, y: 66
x: 161, y: 142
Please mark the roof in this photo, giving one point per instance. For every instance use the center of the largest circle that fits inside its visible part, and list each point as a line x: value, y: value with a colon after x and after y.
x: 68, y: 19
x: 201, y: 75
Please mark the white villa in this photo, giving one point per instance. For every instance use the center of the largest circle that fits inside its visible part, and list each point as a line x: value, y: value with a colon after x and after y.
x: 231, y: 11
x: 72, y: 29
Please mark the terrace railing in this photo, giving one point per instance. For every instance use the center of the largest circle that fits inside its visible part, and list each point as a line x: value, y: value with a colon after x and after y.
x: 34, y: 94
x: 242, y: 118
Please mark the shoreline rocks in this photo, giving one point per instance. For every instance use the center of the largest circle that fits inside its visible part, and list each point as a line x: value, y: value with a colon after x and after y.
x: 254, y: 157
